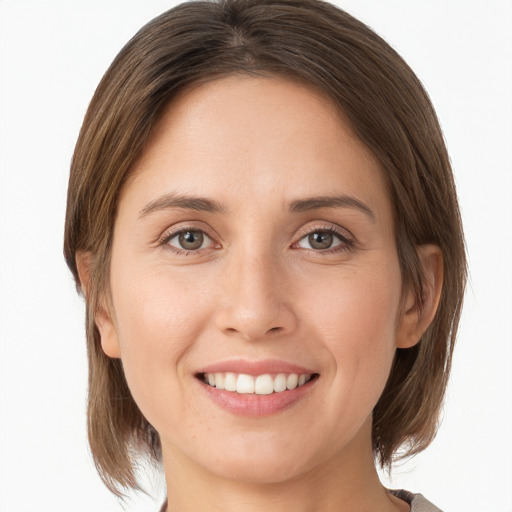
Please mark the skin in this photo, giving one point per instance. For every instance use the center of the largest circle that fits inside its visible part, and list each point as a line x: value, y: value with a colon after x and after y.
x: 257, y: 289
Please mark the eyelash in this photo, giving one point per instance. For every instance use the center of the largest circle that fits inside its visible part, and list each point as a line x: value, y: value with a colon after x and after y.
x: 346, y: 242
x: 167, y: 237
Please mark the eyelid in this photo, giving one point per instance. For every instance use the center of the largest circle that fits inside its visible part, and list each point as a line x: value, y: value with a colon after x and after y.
x: 174, y: 231
x: 343, y: 233
x: 347, y: 239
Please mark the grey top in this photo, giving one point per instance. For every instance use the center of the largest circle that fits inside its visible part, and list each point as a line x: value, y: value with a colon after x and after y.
x: 417, y: 502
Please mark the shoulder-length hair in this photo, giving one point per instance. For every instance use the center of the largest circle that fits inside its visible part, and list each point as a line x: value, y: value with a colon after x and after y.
x: 316, y: 43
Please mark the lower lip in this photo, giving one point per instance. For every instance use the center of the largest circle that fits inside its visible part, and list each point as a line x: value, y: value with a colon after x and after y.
x: 254, y: 405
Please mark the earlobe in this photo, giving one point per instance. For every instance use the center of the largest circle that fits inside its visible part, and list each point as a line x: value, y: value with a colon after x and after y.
x: 417, y: 317
x: 108, y: 333
x: 103, y: 317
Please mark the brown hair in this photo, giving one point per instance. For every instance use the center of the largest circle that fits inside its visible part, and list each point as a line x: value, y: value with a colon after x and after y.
x: 387, y: 107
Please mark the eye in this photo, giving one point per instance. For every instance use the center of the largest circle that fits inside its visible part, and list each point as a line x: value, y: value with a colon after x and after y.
x: 324, y: 240
x: 188, y: 240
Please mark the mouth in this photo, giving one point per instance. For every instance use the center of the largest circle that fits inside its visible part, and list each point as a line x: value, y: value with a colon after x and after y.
x: 264, y: 384
x: 256, y: 388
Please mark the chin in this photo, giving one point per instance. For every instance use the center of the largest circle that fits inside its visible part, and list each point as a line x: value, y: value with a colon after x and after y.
x: 259, y: 461
x: 252, y: 471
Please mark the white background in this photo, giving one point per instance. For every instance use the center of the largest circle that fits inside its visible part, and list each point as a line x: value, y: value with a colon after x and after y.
x: 52, y: 56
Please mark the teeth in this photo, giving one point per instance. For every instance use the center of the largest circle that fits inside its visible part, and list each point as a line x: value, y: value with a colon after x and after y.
x: 245, y: 384
x: 261, y: 385
x: 264, y: 384
x: 280, y: 383
x: 229, y: 381
x: 292, y: 381
x: 220, y: 380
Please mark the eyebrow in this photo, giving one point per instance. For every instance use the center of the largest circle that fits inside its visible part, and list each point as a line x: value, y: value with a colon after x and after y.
x: 343, y: 201
x: 174, y: 200
x: 202, y: 204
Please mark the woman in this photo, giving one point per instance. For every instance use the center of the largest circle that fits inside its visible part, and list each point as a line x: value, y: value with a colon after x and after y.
x: 263, y: 220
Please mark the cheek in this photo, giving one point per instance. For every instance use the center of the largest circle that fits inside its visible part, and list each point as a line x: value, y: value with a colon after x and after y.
x: 358, y: 303
x: 356, y: 320
x: 157, y: 320
x: 153, y: 309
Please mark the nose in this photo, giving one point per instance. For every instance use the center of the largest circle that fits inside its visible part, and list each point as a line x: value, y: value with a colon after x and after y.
x: 254, y: 304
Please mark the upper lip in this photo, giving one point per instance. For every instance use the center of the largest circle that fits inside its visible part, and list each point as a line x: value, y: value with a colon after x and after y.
x: 254, y: 368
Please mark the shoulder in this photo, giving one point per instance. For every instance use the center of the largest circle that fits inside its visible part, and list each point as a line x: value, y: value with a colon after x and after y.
x: 417, y: 502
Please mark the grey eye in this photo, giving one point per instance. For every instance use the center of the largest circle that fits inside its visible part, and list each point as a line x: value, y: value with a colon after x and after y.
x: 320, y: 240
x: 189, y: 240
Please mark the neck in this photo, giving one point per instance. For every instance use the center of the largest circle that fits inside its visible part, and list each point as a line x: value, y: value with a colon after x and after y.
x: 345, y: 482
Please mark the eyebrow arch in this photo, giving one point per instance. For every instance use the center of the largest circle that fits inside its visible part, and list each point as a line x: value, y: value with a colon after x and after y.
x: 174, y: 200
x: 312, y: 203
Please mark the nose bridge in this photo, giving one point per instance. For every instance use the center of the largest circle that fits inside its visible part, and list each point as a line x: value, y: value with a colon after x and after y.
x: 254, y: 302
x: 257, y: 279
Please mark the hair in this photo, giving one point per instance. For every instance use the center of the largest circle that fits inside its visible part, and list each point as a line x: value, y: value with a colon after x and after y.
x: 318, y: 44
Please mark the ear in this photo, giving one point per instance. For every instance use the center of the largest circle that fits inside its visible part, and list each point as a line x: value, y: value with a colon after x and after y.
x: 417, y: 317
x: 103, y: 317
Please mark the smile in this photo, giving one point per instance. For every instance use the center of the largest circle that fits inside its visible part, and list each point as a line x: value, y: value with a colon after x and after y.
x: 256, y: 388
x: 264, y: 384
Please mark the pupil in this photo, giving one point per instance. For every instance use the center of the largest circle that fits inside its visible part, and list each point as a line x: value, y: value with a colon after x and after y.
x: 191, y: 239
x: 320, y: 240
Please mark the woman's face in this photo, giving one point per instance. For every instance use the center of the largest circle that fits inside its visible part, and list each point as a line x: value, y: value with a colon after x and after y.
x: 254, y: 247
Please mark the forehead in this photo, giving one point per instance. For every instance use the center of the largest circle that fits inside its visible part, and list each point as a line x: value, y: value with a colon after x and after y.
x: 271, y: 136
